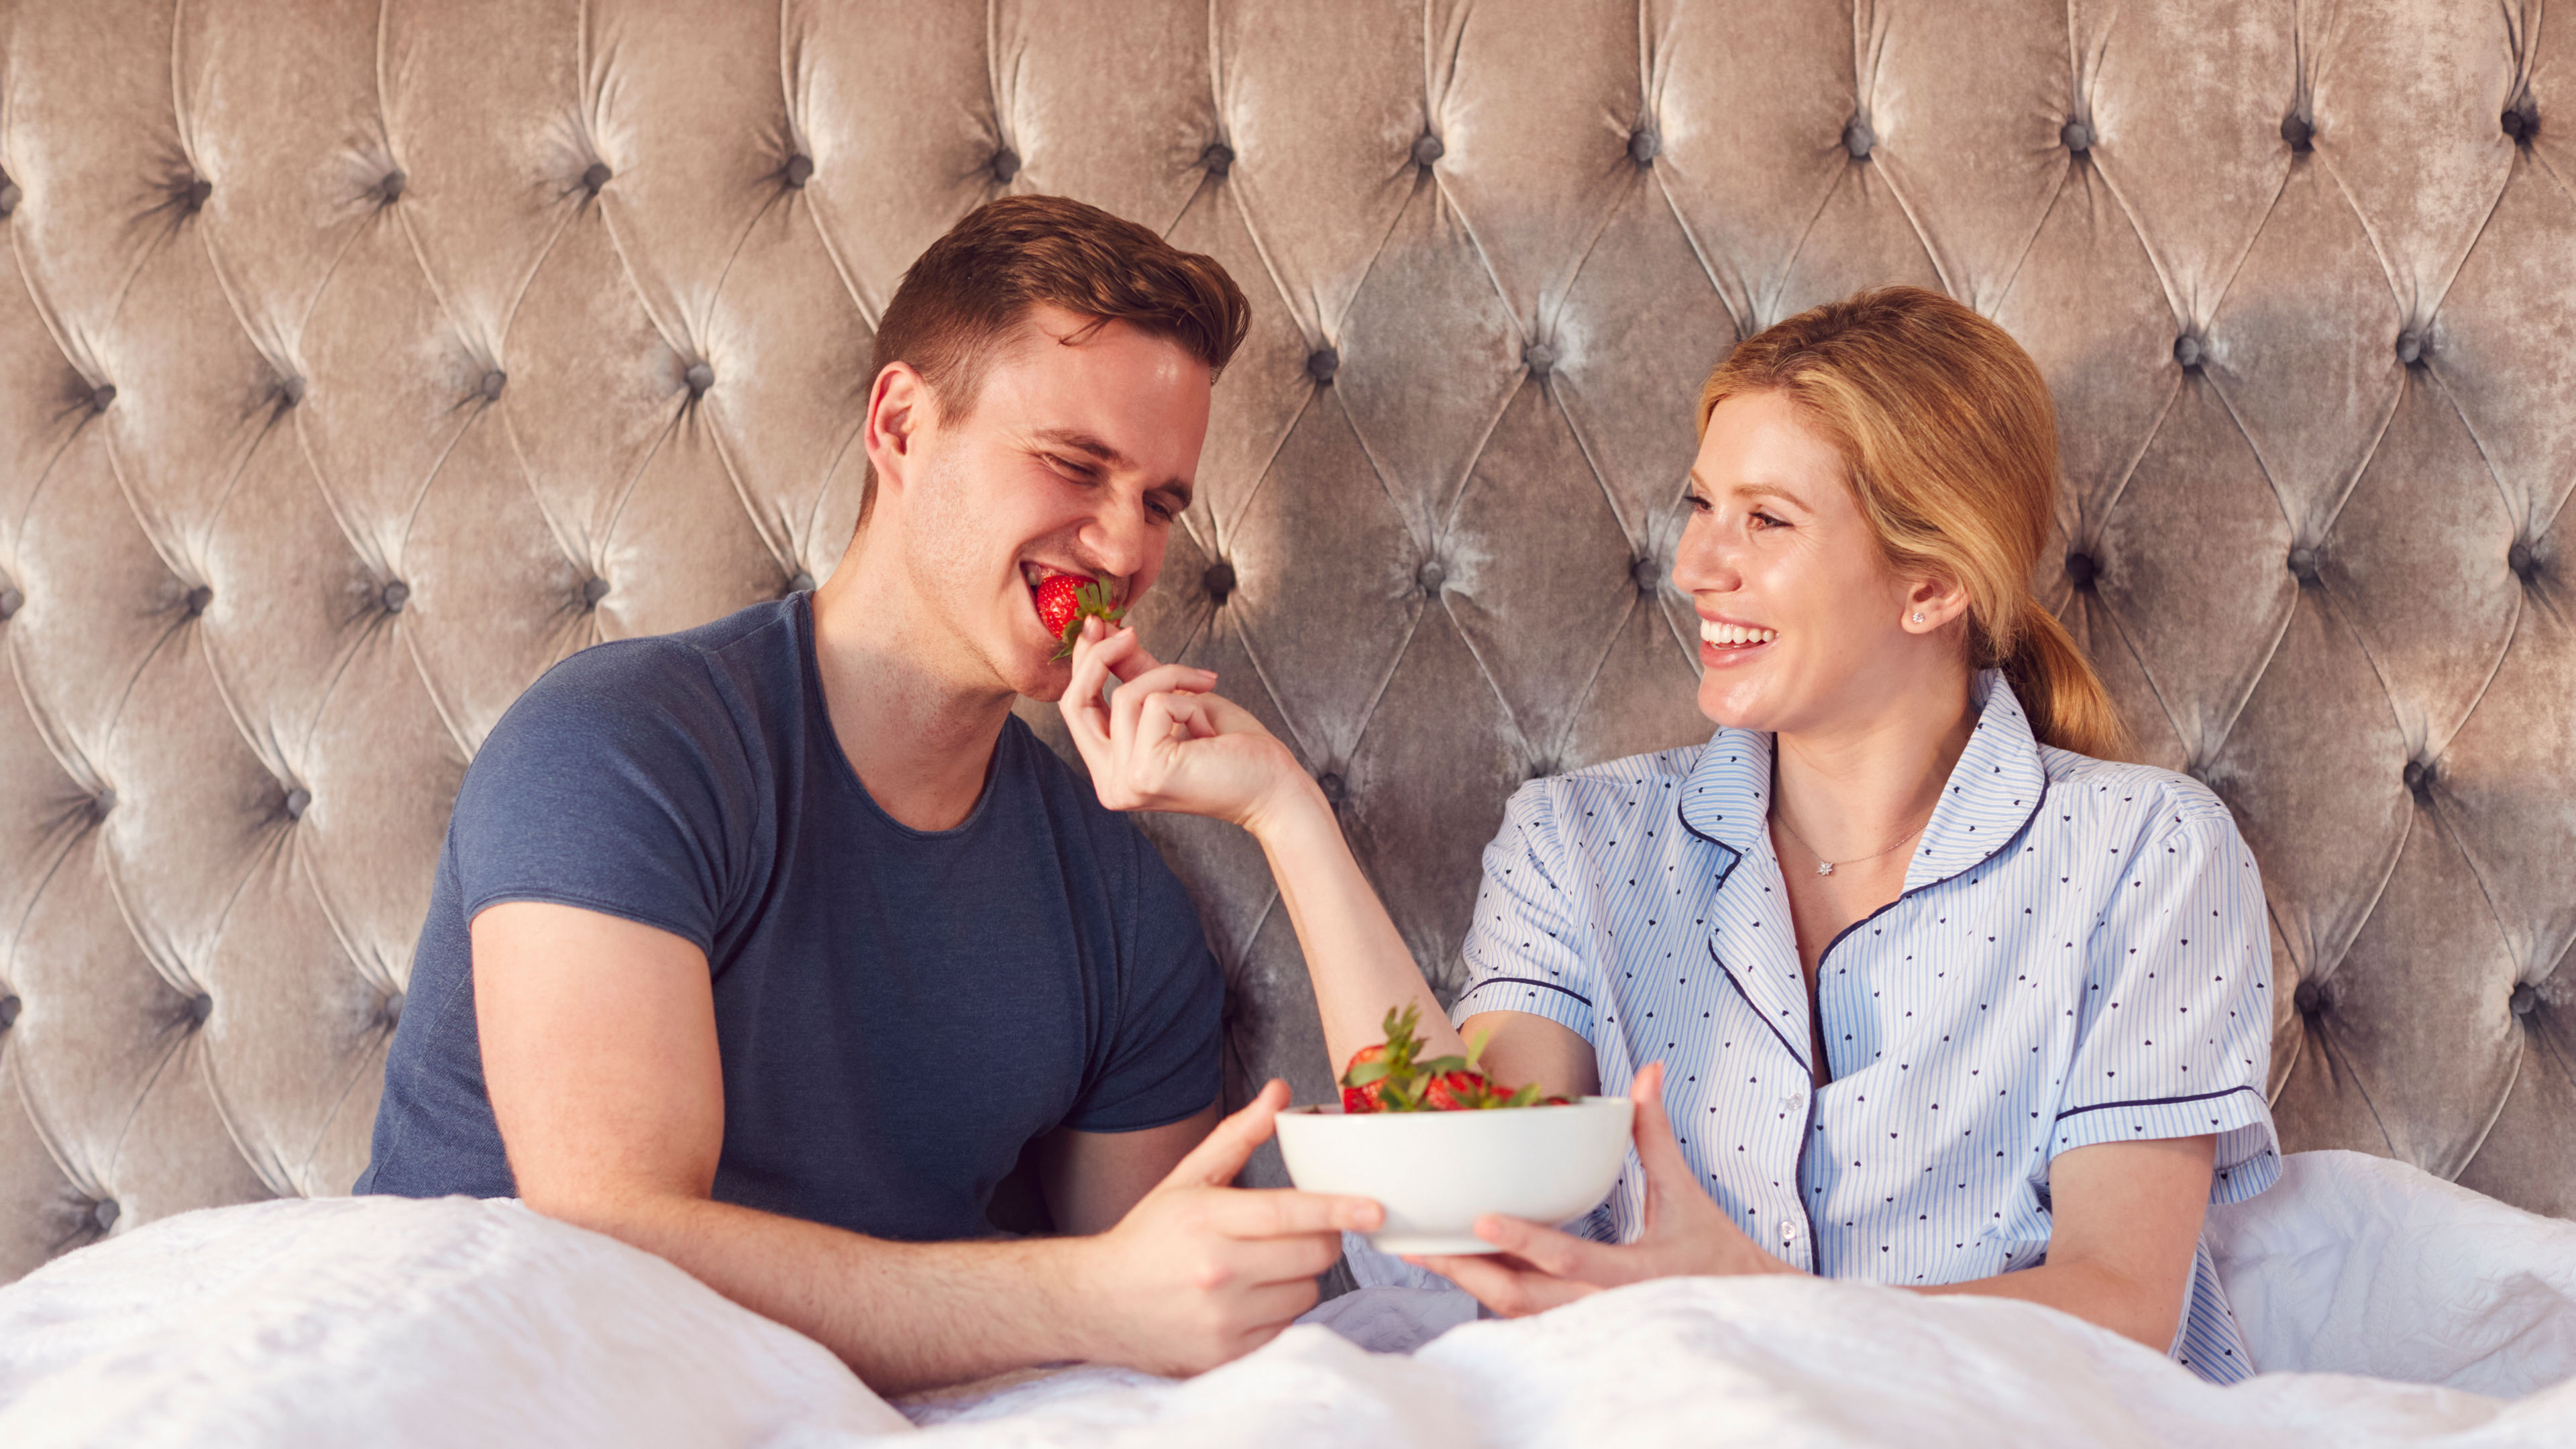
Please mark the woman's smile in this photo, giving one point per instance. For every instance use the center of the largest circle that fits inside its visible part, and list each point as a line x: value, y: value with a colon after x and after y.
x: 1725, y: 643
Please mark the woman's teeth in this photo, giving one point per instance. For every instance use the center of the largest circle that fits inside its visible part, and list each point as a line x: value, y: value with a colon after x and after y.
x: 1716, y: 633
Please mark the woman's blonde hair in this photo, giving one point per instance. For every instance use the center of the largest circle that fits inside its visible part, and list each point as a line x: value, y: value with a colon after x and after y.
x: 1949, y: 441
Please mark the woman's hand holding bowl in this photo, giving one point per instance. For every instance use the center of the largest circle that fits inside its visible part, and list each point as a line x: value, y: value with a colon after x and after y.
x: 1686, y: 1234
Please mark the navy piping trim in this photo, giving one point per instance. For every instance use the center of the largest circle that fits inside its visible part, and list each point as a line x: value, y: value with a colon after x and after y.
x: 2151, y: 1102
x: 1729, y: 973
x: 1734, y: 857
x: 1525, y: 981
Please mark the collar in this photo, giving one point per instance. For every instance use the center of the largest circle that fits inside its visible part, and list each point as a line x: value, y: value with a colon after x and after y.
x: 1992, y: 792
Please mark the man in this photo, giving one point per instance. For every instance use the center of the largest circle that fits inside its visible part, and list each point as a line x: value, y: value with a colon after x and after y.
x: 768, y: 946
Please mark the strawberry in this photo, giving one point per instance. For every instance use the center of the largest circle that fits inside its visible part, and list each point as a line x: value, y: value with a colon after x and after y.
x: 1458, y: 1091
x: 1065, y: 600
x: 1364, y: 1098
x: 1385, y: 1077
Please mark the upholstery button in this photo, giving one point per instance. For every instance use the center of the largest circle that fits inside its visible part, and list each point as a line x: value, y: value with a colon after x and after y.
x: 391, y: 188
x: 1218, y: 581
x: 1644, y: 146
x: 8, y: 1011
x: 2082, y: 569
x: 298, y: 800
x: 1427, y: 148
x: 1858, y: 138
x: 104, y: 1213
x: 2521, y: 122
x: 699, y: 377
x: 595, y: 176
x: 11, y: 601
x: 2077, y: 136
x: 1539, y: 358
x: 2299, y: 132
x: 103, y: 802
x: 1217, y: 159
x: 394, y: 595
x: 1005, y: 165
x: 799, y: 170
x: 592, y: 591
x: 1541, y: 769
x: 2410, y: 348
x: 1433, y: 576
x: 2524, y: 999
x: 193, y: 199
x: 2419, y: 777
x: 198, y: 598
x: 2303, y: 566
x: 493, y: 382
x: 2519, y: 558
x: 200, y: 1006
x: 1333, y: 787
x: 2189, y: 351
x: 290, y: 389
x: 393, y: 1008
x: 800, y: 582
x: 1322, y: 363
x: 101, y: 396
x: 1646, y: 574
x: 2311, y: 998
x: 10, y: 195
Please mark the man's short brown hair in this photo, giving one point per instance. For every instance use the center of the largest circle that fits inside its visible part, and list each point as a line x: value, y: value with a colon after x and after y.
x: 963, y: 300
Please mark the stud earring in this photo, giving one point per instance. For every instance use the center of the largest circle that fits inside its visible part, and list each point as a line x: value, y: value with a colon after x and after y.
x: 1918, y: 618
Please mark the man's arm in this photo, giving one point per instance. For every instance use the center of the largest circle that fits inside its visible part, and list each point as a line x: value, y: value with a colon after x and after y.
x: 599, y: 1053
x: 1092, y: 1179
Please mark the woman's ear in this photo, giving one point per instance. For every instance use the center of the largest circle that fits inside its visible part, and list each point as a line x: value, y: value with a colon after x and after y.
x: 1932, y: 603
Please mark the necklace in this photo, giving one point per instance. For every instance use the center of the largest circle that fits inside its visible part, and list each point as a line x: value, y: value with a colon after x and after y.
x: 1826, y: 867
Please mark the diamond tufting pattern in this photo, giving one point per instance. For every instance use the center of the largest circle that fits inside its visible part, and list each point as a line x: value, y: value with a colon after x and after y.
x: 359, y: 361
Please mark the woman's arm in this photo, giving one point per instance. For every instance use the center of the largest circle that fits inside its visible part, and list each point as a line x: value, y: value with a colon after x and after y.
x: 2127, y: 1222
x: 2128, y: 1217
x: 1162, y: 743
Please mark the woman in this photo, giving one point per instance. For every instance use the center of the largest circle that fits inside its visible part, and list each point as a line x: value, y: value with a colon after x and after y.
x: 1910, y: 982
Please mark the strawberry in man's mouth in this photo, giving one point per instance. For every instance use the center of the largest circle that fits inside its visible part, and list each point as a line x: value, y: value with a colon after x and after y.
x: 1065, y: 600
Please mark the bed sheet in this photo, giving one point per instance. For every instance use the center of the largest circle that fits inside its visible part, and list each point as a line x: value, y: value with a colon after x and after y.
x: 456, y: 1322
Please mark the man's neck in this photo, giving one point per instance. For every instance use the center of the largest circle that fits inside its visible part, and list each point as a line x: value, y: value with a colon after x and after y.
x: 1855, y: 787
x: 920, y: 737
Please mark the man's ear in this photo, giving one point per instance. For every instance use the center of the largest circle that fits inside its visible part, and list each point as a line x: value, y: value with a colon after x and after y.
x: 899, y: 408
x: 1931, y: 603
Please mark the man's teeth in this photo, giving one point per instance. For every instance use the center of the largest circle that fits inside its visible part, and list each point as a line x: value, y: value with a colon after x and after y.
x: 1716, y: 633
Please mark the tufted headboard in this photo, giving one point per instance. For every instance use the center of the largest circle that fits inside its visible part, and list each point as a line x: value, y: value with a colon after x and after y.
x: 359, y: 360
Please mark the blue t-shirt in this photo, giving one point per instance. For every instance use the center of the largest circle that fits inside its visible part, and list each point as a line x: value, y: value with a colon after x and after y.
x: 899, y: 1011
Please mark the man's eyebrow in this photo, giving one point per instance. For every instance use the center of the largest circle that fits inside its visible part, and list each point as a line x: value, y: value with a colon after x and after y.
x: 1082, y: 442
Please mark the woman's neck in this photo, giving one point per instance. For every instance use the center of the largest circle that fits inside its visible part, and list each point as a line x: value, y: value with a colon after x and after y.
x: 1858, y: 786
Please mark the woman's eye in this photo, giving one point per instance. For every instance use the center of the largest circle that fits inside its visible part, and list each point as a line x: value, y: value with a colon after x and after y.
x: 1765, y: 520
x: 1698, y: 504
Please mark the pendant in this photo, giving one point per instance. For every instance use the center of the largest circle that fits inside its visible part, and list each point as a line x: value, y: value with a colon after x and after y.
x: 1824, y: 867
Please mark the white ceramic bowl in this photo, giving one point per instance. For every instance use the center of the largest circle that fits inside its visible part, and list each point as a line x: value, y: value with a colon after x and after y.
x: 1435, y: 1173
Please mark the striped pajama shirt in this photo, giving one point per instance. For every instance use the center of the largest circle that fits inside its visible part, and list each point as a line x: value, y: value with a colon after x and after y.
x: 2079, y: 956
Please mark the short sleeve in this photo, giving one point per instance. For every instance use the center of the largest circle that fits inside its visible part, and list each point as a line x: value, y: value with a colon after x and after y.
x: 617, y: 783
x: 1162, y: 1063
x: 1524, y: 948
x: 2174, y: 1031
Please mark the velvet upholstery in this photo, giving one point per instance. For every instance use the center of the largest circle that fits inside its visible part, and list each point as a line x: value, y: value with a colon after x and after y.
x: 359, y: 360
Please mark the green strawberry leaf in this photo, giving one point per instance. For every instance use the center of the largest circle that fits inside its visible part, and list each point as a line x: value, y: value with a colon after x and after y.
x: 1525, y: 1097
x: 1365, y: 1073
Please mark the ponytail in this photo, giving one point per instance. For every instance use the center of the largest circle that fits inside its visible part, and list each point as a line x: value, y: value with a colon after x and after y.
x: 2059, y: 692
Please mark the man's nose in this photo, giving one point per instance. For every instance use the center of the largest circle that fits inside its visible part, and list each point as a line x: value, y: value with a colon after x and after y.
x: 1120, y: 541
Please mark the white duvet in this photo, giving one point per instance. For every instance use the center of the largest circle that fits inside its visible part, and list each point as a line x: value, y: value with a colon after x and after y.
x: 388, y: 1322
